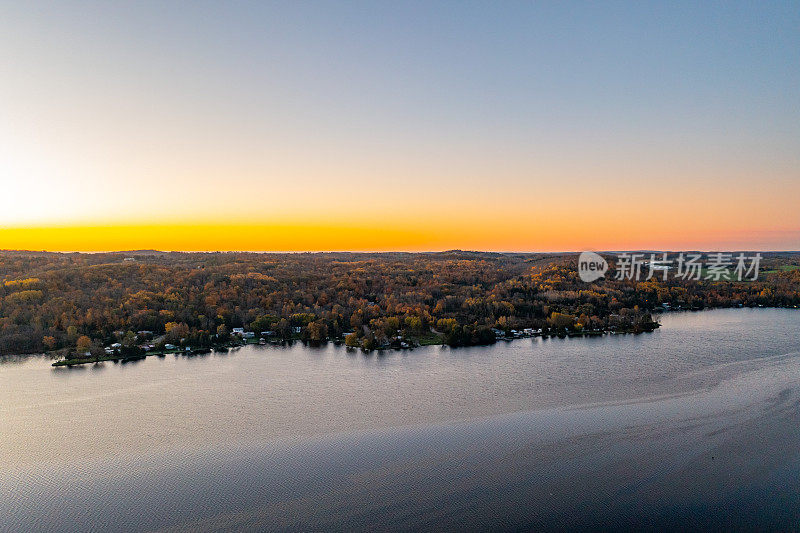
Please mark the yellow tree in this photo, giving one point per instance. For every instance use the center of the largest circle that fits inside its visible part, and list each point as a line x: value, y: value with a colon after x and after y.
x: 49, y: 342
x: 83, y: 344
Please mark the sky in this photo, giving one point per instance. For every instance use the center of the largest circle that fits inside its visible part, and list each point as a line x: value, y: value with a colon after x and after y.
x: 509, y: 126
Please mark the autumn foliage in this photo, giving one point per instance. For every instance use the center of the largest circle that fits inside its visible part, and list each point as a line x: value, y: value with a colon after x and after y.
x: 50, y: 301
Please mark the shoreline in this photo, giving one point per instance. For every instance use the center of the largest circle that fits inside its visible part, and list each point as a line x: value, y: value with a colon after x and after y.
x: 227, y: 347
x: 69, y: 362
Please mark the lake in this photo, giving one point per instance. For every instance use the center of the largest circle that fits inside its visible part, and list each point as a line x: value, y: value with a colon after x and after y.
x: 693, y: 425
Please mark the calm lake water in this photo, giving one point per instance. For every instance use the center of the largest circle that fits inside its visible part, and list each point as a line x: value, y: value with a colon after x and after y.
x: 694, y: 425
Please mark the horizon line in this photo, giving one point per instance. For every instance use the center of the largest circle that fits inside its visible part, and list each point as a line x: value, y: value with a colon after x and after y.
x: 146, y: 251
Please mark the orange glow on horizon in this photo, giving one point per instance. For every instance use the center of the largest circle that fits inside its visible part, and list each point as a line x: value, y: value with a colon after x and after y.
x: 163, y: 129
x: 508, y: 235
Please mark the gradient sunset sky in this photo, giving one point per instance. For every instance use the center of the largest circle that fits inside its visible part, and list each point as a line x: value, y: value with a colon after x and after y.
x: 516, y: 126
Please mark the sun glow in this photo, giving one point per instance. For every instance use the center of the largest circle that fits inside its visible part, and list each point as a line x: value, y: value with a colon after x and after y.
x: 373, y: 133
x: 387, y: 237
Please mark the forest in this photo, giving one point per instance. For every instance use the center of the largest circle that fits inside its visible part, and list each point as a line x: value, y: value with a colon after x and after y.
x: 62, y: 302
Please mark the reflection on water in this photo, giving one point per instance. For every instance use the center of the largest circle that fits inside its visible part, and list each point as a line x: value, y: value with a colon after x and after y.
x: 530, y: 432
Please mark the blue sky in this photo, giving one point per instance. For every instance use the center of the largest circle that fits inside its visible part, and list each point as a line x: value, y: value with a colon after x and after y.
x: 309, y: 99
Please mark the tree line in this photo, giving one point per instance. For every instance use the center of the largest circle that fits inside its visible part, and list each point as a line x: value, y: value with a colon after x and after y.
x: 51, y: 301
